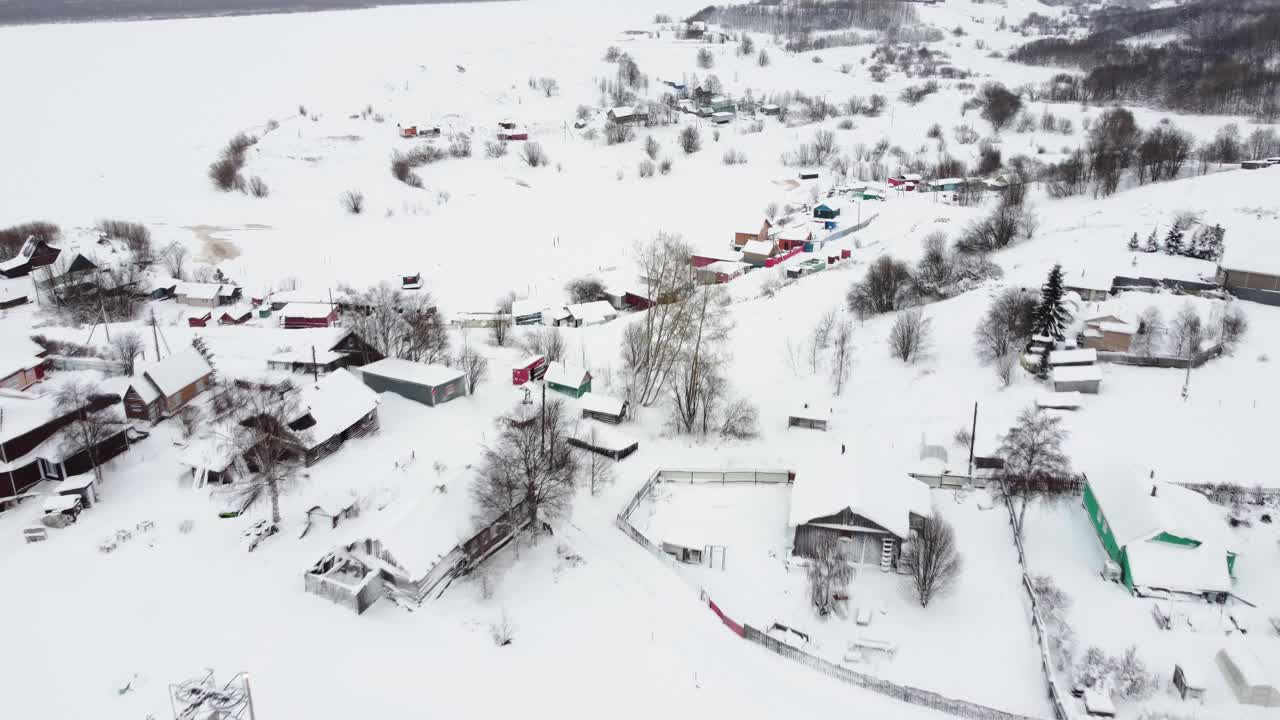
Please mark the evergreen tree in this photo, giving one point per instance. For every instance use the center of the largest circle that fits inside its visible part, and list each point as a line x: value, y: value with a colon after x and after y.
x: 1133, y: 243
x: 1173, y: 241
x: 1208, y: 244
x: 1152, y: 244
x: 203, y: 348
x: 1051, y: 316
x: 1042, y: 364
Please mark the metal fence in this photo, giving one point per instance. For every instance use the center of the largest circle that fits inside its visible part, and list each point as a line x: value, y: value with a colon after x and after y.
x: 1162, y: 361
x: 905, y: 693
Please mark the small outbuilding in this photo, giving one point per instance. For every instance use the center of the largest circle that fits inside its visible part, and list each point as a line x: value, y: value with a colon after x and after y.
x: 339, y: 408
x: 200, y: 320
x: 809, y: 417
x: 533, y: 367
x: 758, y: 253
x: 429, y: 384
x: 297, y: 315
x: 1072, y: 358
x: 721, y: 271
x: 569, y: 379
x: 1077, y: 378
x: 603, y: 440
x: 1188, y: 681
x: 596, y: 312
x: 1059, y: 401
x: 19, y: 372
x: 826, y: 212
x: 1249, y: 678
x: 604, y: 408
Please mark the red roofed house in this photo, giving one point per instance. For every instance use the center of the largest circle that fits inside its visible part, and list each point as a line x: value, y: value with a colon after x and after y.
x: 308, y: 315
x: 164, y: 388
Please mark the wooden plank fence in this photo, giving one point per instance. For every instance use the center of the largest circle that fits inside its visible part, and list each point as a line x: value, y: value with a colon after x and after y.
x: 905, y: 693
x: 1161, y: 361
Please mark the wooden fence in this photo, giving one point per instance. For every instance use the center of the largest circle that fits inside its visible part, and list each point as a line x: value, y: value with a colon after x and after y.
x: 905, y: 693
x: 1161, y: 361
x: 67, y: 362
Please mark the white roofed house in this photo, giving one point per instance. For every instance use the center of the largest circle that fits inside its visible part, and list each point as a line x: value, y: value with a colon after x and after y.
x: 1077, y: 378
x: 758, y: 253
x: 627, y: 115
x: 19, y: 371
x: 206, y: 295
x: 596, y: 312
x: 429, y: 384
x: 871, y: 514
x: 338, y: 408
x: 166, y: 387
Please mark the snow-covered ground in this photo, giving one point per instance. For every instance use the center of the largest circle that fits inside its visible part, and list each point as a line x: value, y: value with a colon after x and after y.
x: 129, y: 115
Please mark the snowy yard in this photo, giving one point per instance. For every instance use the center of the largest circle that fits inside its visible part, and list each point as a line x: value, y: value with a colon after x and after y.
x: 1061, y: 543
x: 987, y: 608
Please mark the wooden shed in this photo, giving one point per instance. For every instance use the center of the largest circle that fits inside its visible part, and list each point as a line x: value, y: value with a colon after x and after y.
x: 19, y: 372
x: 1077, y: 378
x: 571, y: 380
x: 201, y: 320
x: 809, y: 417
x: 603, y: 440
x: 533, y: 367
x: 604, y: 408
x: 429, y: 384
x: 339, y: 408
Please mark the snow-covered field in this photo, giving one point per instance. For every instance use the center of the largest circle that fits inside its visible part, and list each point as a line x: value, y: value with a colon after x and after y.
x: 122, y: 120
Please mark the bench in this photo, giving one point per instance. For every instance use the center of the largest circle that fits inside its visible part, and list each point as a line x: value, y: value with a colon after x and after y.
x: 35, y: 534
x: 884, y: 646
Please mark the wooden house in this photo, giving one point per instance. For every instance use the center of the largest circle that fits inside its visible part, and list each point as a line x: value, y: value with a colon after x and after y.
x: 19, y: 372
x: 590, y: 313
x: 721, y: 271
x: 308, y: 315
x: 235, y: 317
x: 167, y: 386
x: 34, y: 253
x: 338, y: 408
x: 627, y: 116
x: 568, y: 379
x: 207, y: 295
x: 200, y: 320
x: 604, y: 408
x: 30, y: 440
x: 771, y: 109
x: 341, y: 349
x: 758, y: 253
x: 1090, y: 289
x: 1254, y: 164
x: 429, y: 384
x: 15, y: 292
x: 527, y: 312
x: 826, y: 212
x: 795, y: 237
x: 1108, y: 333
x: 869, y: 515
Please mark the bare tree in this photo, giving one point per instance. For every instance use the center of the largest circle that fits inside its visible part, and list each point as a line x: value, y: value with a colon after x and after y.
x: 547, y: 342
x: 502, y: 322
x: 651, y: 147
x: 258, y: 187
x: 474, y: 365
x: 127, y: 346
x: 529, y: 466
x: 533, y: 155
x: 699, y: 382
x: 841, y: 354
x: 584, y: 290
x: 1150, y: 334
x: 1006, y: 367
x: 1007, y: 326
x: 652, y: 344
x: 94, y: 420
x: 1234, y: 325
x: 887, y: 287
x: 932, y: 558
x: 1007, y: 224
x: 189, y: 419
x: 352, y: 201
x: 548, y: 86
x: 267, y: 440
x: 828, y: 573
x: 396, y: 323
x: 821, y: 338
x: 910, y: 336
x: 1187, y: 331
x: 741, y: 420
x: 174, y: 256
x: 1035, y: 465
x: 690, y: 140
x: 598, y: 468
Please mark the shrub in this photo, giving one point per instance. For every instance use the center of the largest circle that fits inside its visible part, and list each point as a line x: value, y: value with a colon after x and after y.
x: 733, y: 157
x: 888, y: 286
x: 495, y: 149
x: 690, y: 140
x: 845, y: 124
x: 646, y: 168
x: 1006, y: 225
x: 616, y: 133
x: 258, y: 187
x: 913, y: 94
x: 664, y: 166
x: 934, y: 132
x: 352, y: 201
x: 460, y: 146
x: 651, y: 147
x: 705, y: 59
x: 135, y: 235
x: 533, y: 155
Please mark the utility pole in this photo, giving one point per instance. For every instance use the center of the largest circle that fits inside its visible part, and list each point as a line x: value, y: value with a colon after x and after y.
x: 972, y: 437
x: 315, y: 369
x: 155, y: 334
x: 544, y: 418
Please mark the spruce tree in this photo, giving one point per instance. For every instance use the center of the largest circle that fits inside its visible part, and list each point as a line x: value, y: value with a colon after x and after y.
x: 1173, y: 241
x: 1051, y: 316
x: 1152, y: 244
x: 1042, y: 364
x: 1133, y: 243
x: 1214, y: 244
x: 203, y: 348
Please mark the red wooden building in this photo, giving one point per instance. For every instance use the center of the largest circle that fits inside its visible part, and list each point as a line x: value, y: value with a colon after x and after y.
x: 531, y: 368
x: 308, y: 315
x: 200, y: 320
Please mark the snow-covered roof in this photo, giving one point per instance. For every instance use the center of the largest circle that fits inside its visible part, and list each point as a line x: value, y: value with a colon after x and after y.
x: 729, y: 267
x: 60, y: 503
x: 596, y: 311
x: 11, y: 363
x: 947, y: 181
x: 1118, y: 327
x: 430, y: 527
x: 810, y: 413
x: 1168, y: 566
x: 1088, y: 282
x: 76, y: 483
x: 303, y: 355
x: 199, y: 291
x: 531, y: 306
x: 885, y: 499
x: 1077, y: 373
x: 310, y: 311
x: 757, y: 247
x: 801, y: 231
x: 215, y: 451
x: 1134, y: 514
x: 23, y: 411
x: 911, y: 177
x: 177, y: 371
x: 625, y: 111
x: 604, y: 437
x: 336, y: 403
x: 428, y: 374
x: 566, y: 375
x: 1059, y: 400
x: 600, y: 403
x: 1252, y: 671
x: 529, y: 360
x: 1065, y: 357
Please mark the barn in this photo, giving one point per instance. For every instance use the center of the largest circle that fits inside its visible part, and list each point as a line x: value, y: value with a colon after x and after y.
x: 428, y: 384
x: 627, y: 116
x: 604, y: 408
x: 167, y: 386
x: 568, y: 379
x: 30, y: 450
x: 742, y: 238
x: 870, y: 514
x: 308, y: 315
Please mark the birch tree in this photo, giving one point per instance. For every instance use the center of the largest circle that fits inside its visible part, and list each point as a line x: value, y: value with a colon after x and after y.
x: 652, y: 345
x: 266, y: 438
x: 94, y: 420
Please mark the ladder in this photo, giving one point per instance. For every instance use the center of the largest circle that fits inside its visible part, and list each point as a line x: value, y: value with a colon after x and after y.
x: 886, y: 554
